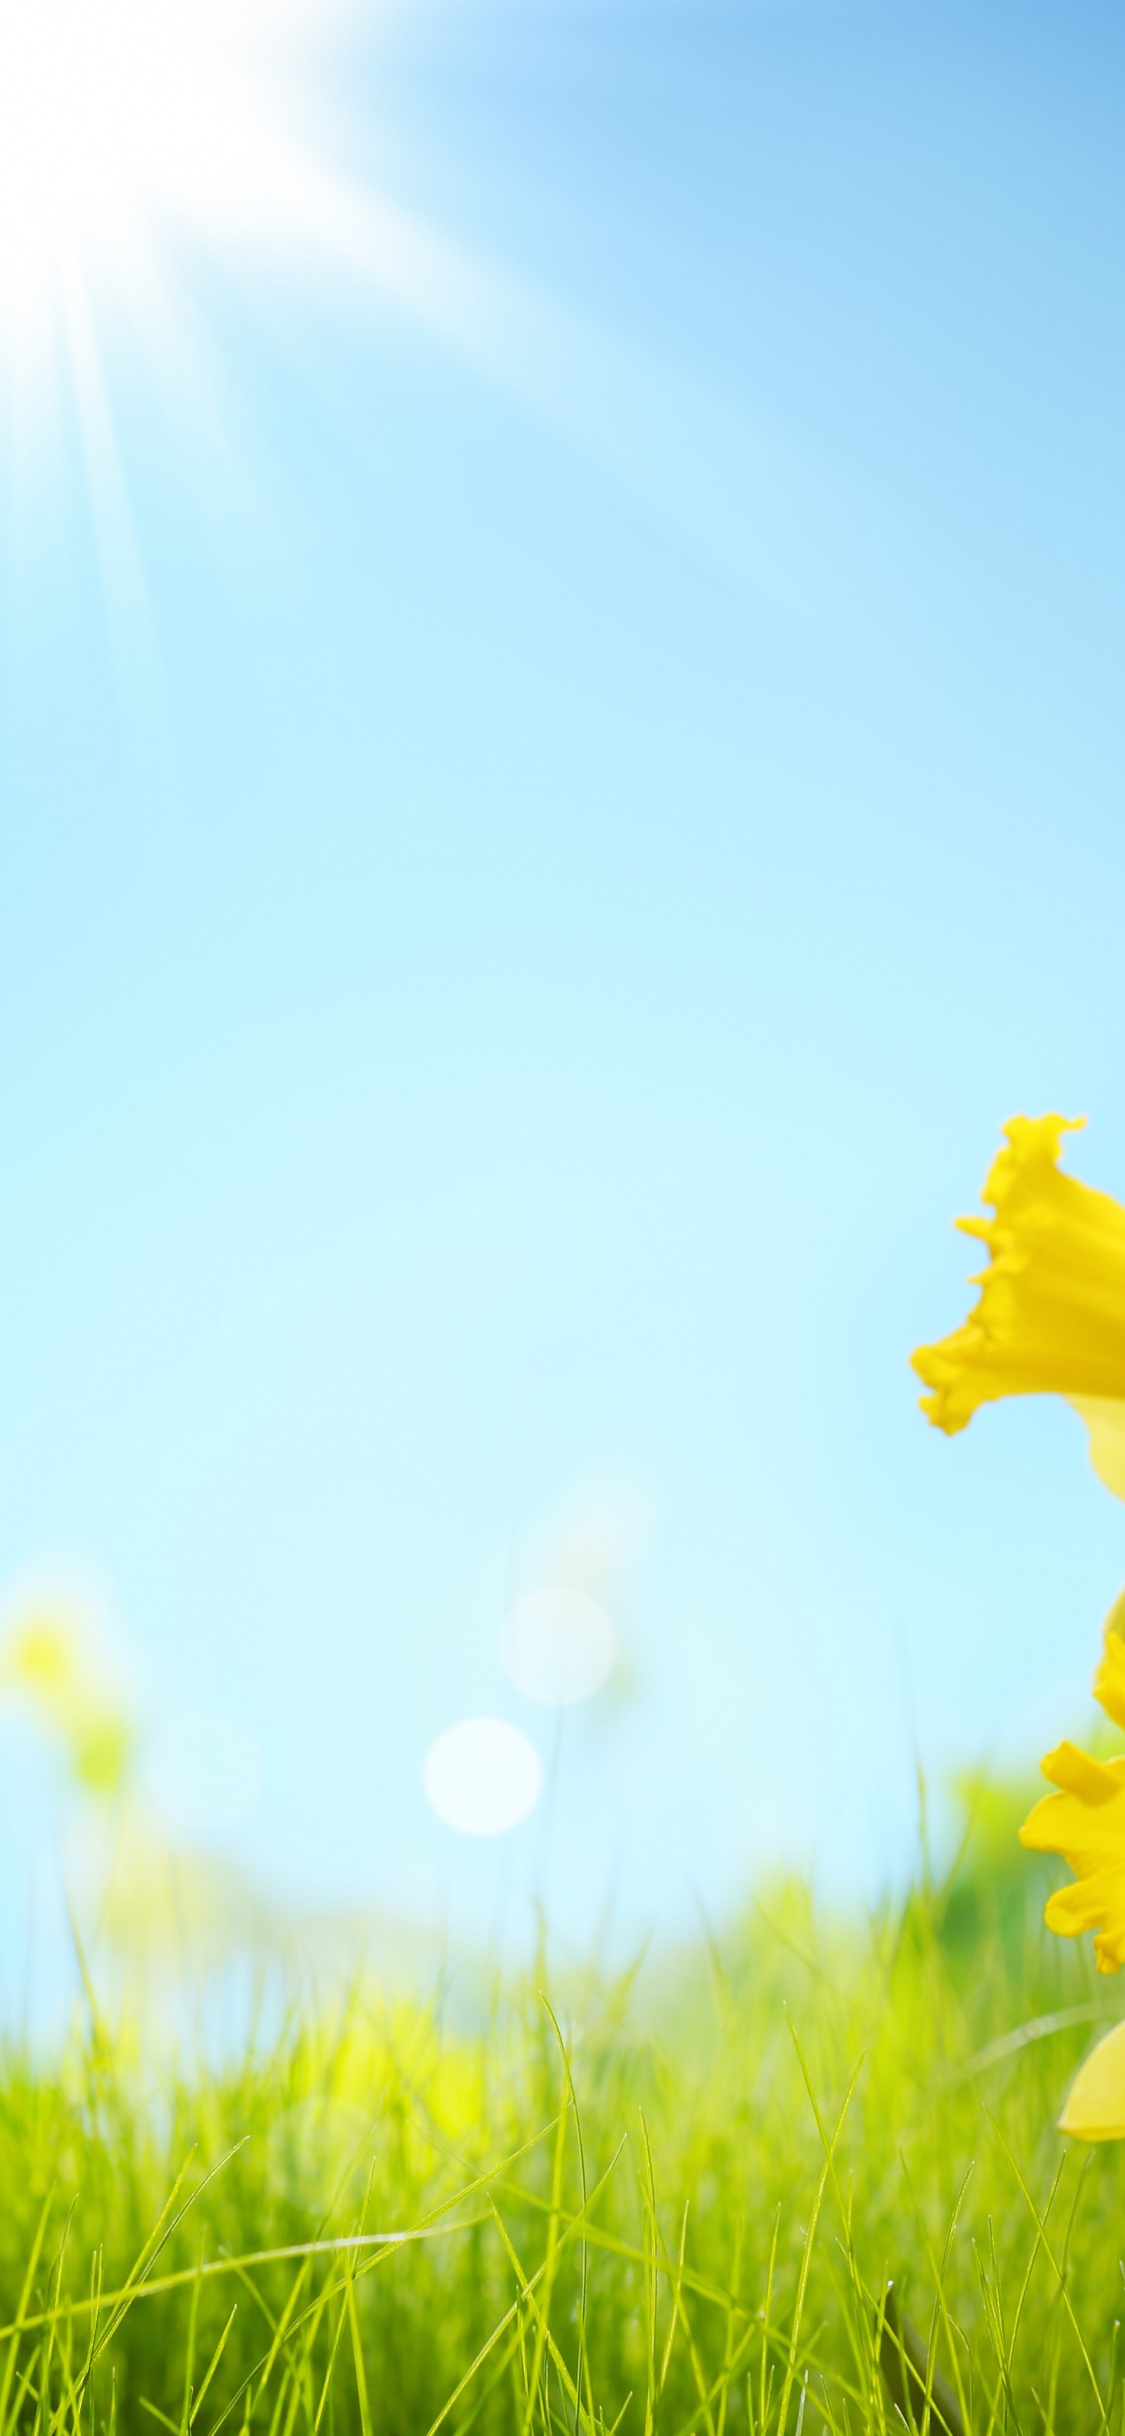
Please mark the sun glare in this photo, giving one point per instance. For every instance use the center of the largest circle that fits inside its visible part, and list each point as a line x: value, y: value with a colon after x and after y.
x: 121, y: 121
x: 145, y: 145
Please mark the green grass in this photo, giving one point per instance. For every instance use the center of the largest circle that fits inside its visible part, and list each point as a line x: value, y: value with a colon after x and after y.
x: 671, y: 2205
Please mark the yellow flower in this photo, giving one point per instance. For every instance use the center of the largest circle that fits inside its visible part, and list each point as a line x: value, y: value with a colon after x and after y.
x: 1085, y: 1821
x: 1051, y: 1315
x: 44, y: 1663
x: 1095, y: 2109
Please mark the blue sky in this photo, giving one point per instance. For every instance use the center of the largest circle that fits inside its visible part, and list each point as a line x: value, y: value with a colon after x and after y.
x: 545, y: 826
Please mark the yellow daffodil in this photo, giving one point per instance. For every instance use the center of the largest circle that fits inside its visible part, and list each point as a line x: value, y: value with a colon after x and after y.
x: 44, y: 1663
x: 1085, y: 1822
x: 1051, y: 1315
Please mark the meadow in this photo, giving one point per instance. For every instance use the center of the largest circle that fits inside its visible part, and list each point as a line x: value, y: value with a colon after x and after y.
x: 669, y: 2202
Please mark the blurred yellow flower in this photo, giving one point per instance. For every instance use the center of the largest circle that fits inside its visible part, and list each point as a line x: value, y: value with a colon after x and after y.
x: 40, y: 1656
x: 43, y: 1663
x: 1051, y: 1315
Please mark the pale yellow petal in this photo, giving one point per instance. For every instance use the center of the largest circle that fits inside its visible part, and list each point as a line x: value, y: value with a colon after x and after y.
x: 1104, y: 1417
x: 1109, y: 1682
x: 1095, y: 2108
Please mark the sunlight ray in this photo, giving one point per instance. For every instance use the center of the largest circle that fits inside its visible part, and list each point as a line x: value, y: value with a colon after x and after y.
x: 139, y: 676
x: 139, y: 138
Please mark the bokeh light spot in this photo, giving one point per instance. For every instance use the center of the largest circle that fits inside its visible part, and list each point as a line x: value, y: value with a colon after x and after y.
x: 483, y: 1776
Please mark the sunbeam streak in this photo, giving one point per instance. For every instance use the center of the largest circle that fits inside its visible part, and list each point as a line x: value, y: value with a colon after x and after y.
x: 142, y: 140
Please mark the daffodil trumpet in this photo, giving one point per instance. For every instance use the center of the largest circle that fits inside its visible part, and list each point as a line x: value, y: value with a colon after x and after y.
x: 1050, y: 1318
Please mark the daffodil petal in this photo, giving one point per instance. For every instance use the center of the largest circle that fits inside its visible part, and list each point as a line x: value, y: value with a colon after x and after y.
x: 1104, y: 1417
x: 1073, y: 1771
x: 1085, y: 1822
x: 1082, y: 1831
x: 1051, y: 1315
x: 1109, y: 1682
x: 1084, y: 1905
x: 1095, y: 2108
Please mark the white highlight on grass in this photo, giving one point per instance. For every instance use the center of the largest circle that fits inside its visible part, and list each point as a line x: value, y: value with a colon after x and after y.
x: 483, y: 1776
x: 558, y: 1646
x: 204, y: 1773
